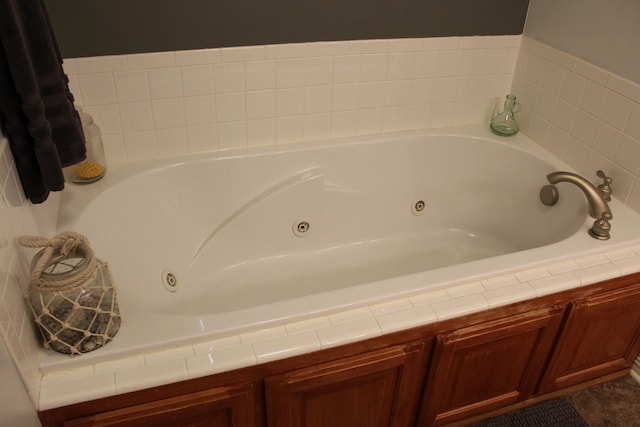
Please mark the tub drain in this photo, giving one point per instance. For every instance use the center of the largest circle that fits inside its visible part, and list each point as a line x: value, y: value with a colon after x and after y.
x: 169, y: 280
x: 301, y: 227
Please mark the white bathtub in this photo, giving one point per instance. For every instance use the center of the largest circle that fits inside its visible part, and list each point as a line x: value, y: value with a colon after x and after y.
x: 224, y: 224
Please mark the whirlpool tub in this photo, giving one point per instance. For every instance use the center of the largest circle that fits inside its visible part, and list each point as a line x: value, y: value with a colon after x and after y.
x: 226, y: 242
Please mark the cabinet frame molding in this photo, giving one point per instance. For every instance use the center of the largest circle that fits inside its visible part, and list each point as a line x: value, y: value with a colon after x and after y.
x: 579, y: 356
x: 231, y: 402
x: 399, y: 368
x: 521, y: 342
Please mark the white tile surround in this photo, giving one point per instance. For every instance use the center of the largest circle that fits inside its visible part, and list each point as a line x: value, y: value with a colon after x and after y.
x: 583, y: 114
x: 19, y: 217
x: 170, y: 103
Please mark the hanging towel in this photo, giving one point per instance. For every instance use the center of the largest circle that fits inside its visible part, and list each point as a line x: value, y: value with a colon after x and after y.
x: 39, y: 118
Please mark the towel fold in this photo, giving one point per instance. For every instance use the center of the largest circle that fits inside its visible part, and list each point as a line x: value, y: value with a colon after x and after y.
x: 40, y: 121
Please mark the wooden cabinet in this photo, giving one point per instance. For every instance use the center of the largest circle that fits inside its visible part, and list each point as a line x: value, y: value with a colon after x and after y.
x: 375, y: 389
x: 487, y: 366
x: 446, y: 372
x: 601, y: 335
x: 219, y: 407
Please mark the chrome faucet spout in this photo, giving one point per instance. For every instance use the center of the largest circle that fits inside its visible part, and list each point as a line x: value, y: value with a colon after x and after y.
x: 597, y: 205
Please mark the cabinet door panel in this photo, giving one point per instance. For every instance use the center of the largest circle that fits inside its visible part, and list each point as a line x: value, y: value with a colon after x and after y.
x: 601, y: 336
x: 376, y: 389
x: 220, y: 407
x: 484, y: 367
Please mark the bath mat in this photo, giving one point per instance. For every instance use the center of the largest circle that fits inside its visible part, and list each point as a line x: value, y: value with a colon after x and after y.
x: 552, y: 413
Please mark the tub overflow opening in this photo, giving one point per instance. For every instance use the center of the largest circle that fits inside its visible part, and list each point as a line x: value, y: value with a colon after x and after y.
x: 418, y: 207
x: 301, y: 227
x: 169, y: 280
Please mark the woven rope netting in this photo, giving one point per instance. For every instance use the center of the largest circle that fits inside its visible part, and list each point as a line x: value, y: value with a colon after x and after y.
x: 71, y: 295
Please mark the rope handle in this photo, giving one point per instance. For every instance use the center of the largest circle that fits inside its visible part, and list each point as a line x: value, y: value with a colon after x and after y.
x: 64, y: 243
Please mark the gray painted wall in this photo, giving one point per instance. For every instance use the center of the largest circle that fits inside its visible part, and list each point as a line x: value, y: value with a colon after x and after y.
x: 102, y: 27
x: 604, y: 32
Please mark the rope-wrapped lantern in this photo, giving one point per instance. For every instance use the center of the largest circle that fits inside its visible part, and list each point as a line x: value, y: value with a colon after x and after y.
x: 71, y: 294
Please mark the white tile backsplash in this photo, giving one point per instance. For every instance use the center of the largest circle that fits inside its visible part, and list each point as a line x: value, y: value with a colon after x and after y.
x: 136, y: 116
x: 291, y: 92
x: 132, y: 86
x: 229, y: 77
x: 197, y: 80
x: 617, y: 109
x: 232, y: 135
x: 19, y: 217
x: 140, y: 145
x: 261, y: 132
x: 231, y: 107
x: 586, y: 115
x: 168, y: 113
x: 97, y: 89
x: 261, y: 104
x: 166, y: 83
x: 317, y: 126
x: 200, y: 110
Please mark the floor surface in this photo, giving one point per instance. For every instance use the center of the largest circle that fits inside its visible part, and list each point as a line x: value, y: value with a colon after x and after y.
x: 615, y: 403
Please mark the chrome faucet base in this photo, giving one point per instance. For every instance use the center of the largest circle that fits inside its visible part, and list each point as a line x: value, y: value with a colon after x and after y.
x: 595, y: 235
x: 601, y: 227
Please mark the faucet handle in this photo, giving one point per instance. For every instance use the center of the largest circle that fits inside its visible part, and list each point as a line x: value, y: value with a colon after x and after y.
x: 601, y: 227
x: 605, y: 188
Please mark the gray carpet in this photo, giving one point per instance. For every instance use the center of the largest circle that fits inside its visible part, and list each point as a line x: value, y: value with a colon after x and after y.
x: 556, y: 412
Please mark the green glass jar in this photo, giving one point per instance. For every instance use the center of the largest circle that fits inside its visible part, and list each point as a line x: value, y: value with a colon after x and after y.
x: 505, y: 123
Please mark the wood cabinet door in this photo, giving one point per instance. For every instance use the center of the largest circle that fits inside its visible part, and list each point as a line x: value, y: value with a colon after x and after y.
x: 601, y: 336
x: 219, y: 407
x: 376, y: 389
x: 486, y: 366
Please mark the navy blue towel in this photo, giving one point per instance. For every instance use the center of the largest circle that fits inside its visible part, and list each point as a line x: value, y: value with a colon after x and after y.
x: 36, y: 106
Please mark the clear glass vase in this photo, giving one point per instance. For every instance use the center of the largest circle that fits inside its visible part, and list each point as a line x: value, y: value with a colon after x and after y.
x: 504, y: 123
x: 94, y: 166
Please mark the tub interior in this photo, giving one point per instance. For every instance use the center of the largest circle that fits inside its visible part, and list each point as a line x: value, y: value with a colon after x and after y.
x: 225, y: 226
x: 226, y: 229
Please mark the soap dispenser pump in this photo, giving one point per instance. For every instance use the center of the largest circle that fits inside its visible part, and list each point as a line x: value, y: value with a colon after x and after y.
x: 504, y: 123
